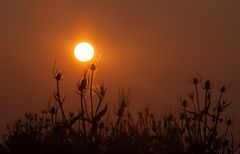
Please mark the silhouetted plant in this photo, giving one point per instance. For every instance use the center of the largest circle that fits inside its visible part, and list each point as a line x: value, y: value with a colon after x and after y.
x: 58, y: 76
x: 200, y: 127
x: 201, y: 120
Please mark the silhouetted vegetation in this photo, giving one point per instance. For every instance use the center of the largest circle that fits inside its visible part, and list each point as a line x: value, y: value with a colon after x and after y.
x: 200, y: 127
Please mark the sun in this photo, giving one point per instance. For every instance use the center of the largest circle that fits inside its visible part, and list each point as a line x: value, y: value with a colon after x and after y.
x: 84, y: 51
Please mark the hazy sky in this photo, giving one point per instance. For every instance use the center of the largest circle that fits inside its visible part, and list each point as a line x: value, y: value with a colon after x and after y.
x: 151, y: 46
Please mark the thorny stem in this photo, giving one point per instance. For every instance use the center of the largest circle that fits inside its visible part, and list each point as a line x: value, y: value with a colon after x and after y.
x: 99, y: 103
x: 205, y: 114
x: 198, y: 102
x: 218, y: 113
x: 91, y: 96
x: 52, y: 119
x: 60, y: 102
x: 199, y: 120
x: 115, y: 129
x: 83, y: 122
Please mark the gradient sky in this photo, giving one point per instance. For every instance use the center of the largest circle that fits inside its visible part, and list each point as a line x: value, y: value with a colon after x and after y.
x: 152, y: 47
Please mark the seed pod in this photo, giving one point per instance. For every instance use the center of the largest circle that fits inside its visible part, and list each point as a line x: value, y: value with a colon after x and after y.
x: 93, y: 67
x: 71, y: 114
x: 53, y: 110
x: 184, y: 103
x: 223, y: 89
x: 207, y: 85
x: 102, y: 91
x: 83, y: 84
x: 195, y: 81
x: 58, y: 76
x: 191, y: 96
x: 229, y: 122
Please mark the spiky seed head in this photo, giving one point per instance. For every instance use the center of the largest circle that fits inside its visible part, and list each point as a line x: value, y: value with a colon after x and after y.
x: 71, y: 114
x: 224, y: 102
x: 93, y: 67
x: 82, y: 85
x: 207, y: 85
x: 229, y: 122
x: 191, y: 96
x: 184, y: 103
x: 57, y: 94
x: 53, y: 110
x: 58, y: 76
x: 102, y: 90
x: 195, y: 81
x: 223, y: 89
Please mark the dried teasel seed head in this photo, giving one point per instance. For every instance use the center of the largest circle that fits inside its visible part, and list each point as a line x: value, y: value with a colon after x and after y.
x: 102, y: 90
x: 58, y: 76
x: 184, y: 103
x: 83, y: 84
x: 224, y: 102
x: 71, y: 114
x: 229, y: 122
x: 53, y: 110
x: 207, y: 85
x: 195, y: 81
x: 223, y: 89
x: 191, y: 96
x: 93, y: 67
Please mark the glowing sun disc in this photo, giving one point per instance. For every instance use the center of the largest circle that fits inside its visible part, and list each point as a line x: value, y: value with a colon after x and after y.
x: 84, y: 51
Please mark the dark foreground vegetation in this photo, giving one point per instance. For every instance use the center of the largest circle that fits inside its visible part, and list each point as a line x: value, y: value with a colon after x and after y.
x: 199, y: 128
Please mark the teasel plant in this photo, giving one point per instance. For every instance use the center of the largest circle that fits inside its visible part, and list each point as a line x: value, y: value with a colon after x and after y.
x: 58, y: 76
x: 120, y: 112
x: 91, y: 110
x: 202, y: 119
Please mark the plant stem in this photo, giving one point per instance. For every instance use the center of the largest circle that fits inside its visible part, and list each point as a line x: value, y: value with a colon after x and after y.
x: 199, y: 114
x: 91, y: 96
x: 60, y: 102
x: 83, y: 122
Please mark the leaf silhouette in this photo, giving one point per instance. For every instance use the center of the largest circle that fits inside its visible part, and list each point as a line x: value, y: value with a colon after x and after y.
x: 100, y: 114
x: 78, y: 117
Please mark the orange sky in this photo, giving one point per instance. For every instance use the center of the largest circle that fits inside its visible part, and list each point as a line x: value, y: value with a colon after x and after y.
x: 150, y: 46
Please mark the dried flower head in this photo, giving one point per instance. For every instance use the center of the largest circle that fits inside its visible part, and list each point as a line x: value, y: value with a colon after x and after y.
x: 52, y: 110
x: 191, y: 96
x: 57, y: 75
x: 184, y: 103
x: 93, y: 67
x: 229, y: 122
x: 223, y: 89
x: 82, y: 86
x: 195, y: 81
x: 207, y: 85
